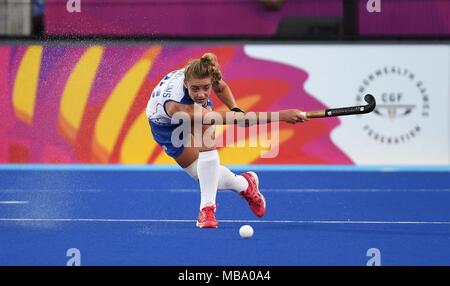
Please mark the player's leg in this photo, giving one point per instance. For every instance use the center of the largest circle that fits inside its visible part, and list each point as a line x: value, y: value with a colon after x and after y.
x: 202, y: 162
x: 203, y: 166
x: 206, y: 169
x: 189, y: 159
x: 227, y: 179
x: 247, y: 184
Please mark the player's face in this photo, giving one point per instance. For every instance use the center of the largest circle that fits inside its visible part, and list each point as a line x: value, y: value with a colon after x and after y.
x: 199, y: 89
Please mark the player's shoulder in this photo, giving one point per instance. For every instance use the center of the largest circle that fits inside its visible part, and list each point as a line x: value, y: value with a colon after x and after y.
x: 177, y: 74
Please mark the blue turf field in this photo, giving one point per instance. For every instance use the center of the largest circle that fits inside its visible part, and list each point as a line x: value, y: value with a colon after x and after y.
x: 146, y: 216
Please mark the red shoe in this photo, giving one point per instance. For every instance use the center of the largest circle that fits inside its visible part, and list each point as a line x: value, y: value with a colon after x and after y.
x: 206, y: 218
x: 254, y: 198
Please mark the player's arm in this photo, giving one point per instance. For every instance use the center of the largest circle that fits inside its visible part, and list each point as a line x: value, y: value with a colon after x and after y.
x: 225, y: 95
x: 208, y: 117
x: 222, y: 90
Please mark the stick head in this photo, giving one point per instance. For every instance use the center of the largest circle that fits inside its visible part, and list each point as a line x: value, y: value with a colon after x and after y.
x: 371, y: 103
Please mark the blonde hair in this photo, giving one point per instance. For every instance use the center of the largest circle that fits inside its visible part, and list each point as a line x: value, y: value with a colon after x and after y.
x: 202, y: 68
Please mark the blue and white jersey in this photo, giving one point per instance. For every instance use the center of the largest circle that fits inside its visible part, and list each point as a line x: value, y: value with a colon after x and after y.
x: 170, y: 88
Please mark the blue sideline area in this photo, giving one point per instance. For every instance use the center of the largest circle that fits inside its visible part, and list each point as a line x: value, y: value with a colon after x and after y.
x: 117, y: 215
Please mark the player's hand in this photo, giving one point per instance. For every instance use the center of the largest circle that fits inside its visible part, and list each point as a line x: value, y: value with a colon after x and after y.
x: 293, y: 116
x: 303, y: 116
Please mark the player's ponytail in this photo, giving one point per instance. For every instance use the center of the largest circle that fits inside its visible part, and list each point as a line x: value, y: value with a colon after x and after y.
x: 202, y: 68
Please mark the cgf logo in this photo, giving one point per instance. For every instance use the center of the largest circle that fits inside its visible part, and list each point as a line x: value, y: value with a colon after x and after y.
x: 73, y: 6
x: 373, y: 6
x: 404, y: 103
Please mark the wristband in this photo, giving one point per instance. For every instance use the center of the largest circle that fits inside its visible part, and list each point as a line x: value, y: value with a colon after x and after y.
x: 237, y: 109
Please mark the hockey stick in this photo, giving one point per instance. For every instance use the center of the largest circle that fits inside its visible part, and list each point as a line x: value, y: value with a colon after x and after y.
x: 351, y: 110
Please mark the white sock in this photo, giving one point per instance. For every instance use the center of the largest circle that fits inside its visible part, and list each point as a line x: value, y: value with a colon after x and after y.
x: 227, y: 179
x: 192, y: 170
x: 230, y: 181
x: 208, y: 176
